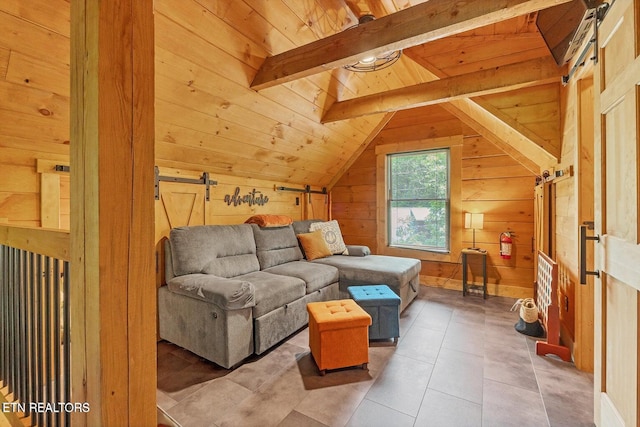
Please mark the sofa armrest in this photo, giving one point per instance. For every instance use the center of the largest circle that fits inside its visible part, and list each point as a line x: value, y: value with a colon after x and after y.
x: 228, y: 294
x: 358, y: 250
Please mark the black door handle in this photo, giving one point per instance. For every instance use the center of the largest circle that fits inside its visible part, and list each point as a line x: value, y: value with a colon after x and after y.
x: 587, y: 225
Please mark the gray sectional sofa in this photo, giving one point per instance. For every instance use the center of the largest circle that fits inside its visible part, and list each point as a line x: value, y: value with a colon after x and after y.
x: 236, y: 290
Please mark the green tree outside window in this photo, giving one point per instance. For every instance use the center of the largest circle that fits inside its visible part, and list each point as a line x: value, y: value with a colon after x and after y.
x: 418, y: 200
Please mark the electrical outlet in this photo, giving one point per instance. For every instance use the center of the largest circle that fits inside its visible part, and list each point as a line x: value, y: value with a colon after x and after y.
x: 566, y: 303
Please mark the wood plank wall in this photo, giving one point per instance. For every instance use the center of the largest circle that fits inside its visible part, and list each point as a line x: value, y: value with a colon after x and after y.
x: 34, y: 103
x: 492, y: 183
x: 34, y: 117
x: 207, y: 54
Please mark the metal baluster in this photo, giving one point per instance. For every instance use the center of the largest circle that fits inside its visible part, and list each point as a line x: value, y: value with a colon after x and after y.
x: 23, y: 326
x: 15, y: 386
x: 3, y: 313
x: 11, y: 380
x: 33, y: 332
x: 47, y: 341
x: 67, y: 340
x: 39, y: 337
x: 56, y: 337
x: 16, y: 313
x: 35, y: 319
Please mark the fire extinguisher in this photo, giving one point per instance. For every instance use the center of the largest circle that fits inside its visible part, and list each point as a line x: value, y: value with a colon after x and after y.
x: 505, y: 245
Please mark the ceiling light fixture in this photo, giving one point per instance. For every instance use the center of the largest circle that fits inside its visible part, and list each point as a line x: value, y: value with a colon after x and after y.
x: 370, y: 62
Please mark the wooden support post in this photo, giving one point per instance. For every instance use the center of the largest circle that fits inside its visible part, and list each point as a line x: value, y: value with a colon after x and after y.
x: 112, y: 210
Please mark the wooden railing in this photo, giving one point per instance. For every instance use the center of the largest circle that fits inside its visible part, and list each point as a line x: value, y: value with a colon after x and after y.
x: 35, y: 356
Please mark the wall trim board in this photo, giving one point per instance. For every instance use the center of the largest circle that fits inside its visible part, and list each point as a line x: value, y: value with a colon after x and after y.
x: 508, y: 291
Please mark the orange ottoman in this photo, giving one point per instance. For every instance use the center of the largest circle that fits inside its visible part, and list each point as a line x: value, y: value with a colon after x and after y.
x: 338, y: 334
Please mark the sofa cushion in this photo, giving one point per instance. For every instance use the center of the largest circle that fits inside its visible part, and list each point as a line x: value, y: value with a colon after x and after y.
x: 373, y: 269
x: 272, y: 290
x: 358, y: 250
x: 275, y: 246
x: 221, y: 250
x: 316, y: 276
x: 228, y: 294
x: 332, y: 236
x: 303, y: 226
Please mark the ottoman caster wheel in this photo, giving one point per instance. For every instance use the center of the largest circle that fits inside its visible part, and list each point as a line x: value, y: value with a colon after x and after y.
x: 323, y: 372
x: 365, y: 367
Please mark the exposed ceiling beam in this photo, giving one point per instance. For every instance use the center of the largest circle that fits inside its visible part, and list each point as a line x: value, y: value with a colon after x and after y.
x: 530, y: 155
x: 531, y: 151
x: 409, y: 27
x: 495, y: 80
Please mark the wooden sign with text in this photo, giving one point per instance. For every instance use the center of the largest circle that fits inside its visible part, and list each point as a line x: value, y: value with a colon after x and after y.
x: 254, y: 197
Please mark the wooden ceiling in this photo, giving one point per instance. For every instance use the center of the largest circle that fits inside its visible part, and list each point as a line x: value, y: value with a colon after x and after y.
x: 209, y: 52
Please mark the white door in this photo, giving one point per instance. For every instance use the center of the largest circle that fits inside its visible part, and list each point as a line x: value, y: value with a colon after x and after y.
x: 617, y: 295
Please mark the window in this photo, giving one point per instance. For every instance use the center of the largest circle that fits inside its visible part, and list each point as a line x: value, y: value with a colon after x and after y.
x: 418, y: 200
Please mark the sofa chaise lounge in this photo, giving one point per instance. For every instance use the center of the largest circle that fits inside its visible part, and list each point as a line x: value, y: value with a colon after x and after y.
x: 236, y: 290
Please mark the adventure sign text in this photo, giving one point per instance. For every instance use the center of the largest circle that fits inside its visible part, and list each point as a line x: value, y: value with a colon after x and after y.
x: 254, y: 197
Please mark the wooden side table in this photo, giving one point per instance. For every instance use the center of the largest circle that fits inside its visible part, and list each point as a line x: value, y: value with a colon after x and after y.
x: 467, y: 286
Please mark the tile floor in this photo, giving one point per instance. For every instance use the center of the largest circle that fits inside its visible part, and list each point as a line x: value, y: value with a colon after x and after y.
x: 459, y: 362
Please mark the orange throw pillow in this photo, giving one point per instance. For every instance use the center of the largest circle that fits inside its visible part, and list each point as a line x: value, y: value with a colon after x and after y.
x: 314, y: 245
x: 270, y: 220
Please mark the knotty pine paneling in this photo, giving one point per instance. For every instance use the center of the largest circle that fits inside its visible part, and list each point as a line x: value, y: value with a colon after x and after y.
x: 507, y: 42
x: 39, y: 73
x: 534, y: 111
x: 18, y: 179
x: 207, y: 54
x: 4, y: 62
x: 492, y: 183
x: 206, y: 116
x: 34, y: 104
x: 536, y: 108
x: 516, y: 188
x: 22, y: 209
x: 51, y: 14
x: 422, y: 128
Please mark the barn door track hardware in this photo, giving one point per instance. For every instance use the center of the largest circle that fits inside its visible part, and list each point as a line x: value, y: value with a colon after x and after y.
x: 203, y: 180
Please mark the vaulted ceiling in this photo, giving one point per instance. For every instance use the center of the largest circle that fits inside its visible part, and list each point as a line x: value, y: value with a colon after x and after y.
x: 256, y: 88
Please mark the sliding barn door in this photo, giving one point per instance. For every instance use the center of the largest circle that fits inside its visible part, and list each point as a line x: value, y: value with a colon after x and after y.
x: 179, y: 204
x: 616, y: 216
